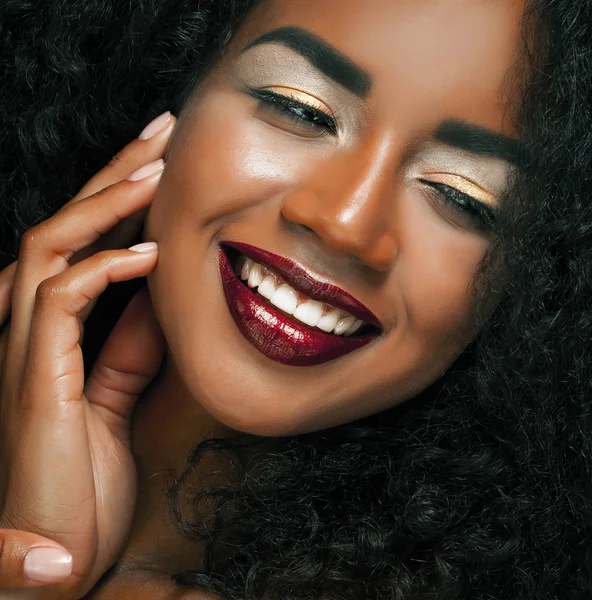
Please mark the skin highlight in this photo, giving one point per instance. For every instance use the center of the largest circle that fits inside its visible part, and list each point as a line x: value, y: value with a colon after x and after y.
x: 350, y: 207
x: 477, y: 487
x: 352, y: 210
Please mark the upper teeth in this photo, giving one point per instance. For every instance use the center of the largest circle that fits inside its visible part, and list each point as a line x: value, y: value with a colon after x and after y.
x: 301, y: 307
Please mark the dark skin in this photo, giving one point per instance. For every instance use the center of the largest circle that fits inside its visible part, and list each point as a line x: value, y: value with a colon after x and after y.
x: 355, y: 187
x: 352, y: 207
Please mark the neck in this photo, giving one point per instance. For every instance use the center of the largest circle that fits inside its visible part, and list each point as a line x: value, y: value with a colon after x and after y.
x: 168, y: 423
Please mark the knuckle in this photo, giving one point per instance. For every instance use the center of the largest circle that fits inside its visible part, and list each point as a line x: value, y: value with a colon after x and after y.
x: 30, y: 241
x: 118, y: 159
x: 107, y: 259
x: 103, y: 194
x: 115, y: 160
x: 47, y: 291
x: 107, y: 196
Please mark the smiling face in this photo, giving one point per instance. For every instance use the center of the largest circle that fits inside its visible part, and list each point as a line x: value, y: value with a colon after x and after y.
x: 356, y: 153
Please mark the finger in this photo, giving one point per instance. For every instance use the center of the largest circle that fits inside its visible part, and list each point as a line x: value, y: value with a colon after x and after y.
x: 136, y: 154
x: 128, y: 361
x: 119, y: 237
x: 148, y: 147
x: 139, y: 152
x: 51, y: 411
x: 46, y: 248
x: 29, y: 560
x: 54, y: 354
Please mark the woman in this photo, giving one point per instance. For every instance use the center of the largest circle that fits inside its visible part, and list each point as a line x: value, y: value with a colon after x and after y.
x: 367, y: 253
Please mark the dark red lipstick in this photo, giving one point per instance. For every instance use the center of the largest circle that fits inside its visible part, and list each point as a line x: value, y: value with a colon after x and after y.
x: 277, y: 336
x: 299, y: 279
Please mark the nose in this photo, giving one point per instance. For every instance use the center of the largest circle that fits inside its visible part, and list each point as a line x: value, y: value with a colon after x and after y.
x: 349, y: 202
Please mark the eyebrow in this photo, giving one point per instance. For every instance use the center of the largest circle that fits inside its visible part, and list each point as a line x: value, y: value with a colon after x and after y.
x: 479, y: 140
x: 321, y: 55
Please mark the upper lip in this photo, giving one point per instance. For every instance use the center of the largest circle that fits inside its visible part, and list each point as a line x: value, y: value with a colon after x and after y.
x: 307, y: 283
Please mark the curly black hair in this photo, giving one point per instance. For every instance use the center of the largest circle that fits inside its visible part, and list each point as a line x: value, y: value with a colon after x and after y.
x: 481, y: 487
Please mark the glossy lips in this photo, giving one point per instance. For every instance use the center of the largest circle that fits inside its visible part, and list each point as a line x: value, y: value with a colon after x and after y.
x: 276, y: 336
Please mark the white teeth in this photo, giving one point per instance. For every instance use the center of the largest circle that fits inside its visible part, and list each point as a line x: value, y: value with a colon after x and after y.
x: 309, y: 312
x: 328, y: 321
x: 267, y: 287
x: 246, y: 269
x: 255, y: 276
x: 343, y: 325
x: 286, y: 298
x: 355, y: 326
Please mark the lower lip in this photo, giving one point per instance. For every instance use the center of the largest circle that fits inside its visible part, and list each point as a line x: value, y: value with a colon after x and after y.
x: 274, y: 335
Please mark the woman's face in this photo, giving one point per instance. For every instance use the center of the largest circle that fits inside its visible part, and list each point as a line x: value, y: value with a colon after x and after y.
x: 357, y: 152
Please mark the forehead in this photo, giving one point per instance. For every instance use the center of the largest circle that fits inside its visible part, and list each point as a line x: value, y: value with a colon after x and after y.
x: 432, y: 59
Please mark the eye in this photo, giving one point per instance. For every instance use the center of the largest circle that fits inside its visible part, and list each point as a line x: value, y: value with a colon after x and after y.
x: 306, y: 115
x: 473, y: 212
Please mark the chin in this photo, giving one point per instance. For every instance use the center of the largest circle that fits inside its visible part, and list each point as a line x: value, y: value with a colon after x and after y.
x: 235, y: 395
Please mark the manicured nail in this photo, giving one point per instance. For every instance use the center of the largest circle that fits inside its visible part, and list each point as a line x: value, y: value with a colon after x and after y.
x: 145, y: 247
x: 48, y: 565
x: 155, y: 126
x: 147, y: 170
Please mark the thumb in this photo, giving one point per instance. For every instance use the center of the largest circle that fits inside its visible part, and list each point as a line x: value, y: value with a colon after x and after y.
x: 29, y: 560
x: 128, y: 361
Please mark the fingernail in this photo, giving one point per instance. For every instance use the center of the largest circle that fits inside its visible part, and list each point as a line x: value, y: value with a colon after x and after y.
x: 48, y: 564
x: 155, y: 126
x: 147, y: 170
x: 145, y: 247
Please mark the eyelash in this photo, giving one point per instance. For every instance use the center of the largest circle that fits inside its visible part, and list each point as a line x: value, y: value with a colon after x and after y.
x: 481, y: 216
x: 300, y: 112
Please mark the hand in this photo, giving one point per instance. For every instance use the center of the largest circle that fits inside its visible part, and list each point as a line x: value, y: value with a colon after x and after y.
x: 67, y: 476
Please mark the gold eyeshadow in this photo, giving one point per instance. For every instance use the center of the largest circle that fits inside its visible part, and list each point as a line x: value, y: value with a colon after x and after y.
x: 301, y: 96
x: 466, y: 186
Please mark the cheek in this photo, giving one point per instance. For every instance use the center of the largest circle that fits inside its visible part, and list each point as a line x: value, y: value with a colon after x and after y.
x: 223, y: 160
x: 437, y: 268
x: 222, y: 163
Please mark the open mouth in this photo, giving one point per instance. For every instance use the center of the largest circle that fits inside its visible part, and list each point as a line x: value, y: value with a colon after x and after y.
x: 268, y: 285
x: 280, y: 318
